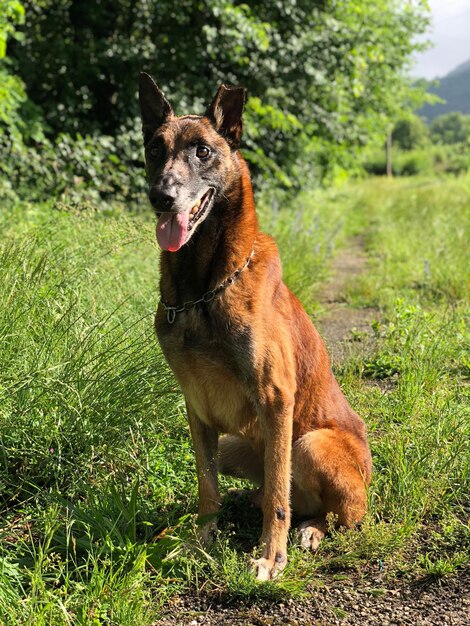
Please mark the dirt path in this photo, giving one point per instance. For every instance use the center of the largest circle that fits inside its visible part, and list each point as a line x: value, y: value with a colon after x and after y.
x: 346, y: 603
x: 345, y: 329
x: 362, y: 598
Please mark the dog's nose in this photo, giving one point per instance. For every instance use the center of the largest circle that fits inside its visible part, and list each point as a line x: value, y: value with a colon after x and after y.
x: 162, y: 200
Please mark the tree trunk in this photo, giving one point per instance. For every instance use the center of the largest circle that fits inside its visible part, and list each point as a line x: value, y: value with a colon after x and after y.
x: 389, y: 154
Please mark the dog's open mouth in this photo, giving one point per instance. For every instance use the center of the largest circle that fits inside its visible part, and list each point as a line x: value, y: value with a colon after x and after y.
x: 200, y: 208
x: 174, y: 229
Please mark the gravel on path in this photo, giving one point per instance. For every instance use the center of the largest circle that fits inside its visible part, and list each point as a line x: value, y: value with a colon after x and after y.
x: 443, y: 602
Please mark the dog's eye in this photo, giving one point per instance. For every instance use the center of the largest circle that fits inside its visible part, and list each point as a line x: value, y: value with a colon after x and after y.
x: 154, y: 152
x: 202, y: 152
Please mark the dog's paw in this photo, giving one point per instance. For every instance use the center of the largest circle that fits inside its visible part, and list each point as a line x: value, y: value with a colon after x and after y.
x: 267, y: 569
x: 208, y: 535
x: 309, y: 535
x: 207, y: 531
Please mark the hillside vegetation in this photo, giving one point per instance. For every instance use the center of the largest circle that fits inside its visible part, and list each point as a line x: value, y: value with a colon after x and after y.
x: 454, y: 89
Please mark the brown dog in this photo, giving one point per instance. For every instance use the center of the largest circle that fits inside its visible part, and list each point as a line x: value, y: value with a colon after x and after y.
x: 248, y: 359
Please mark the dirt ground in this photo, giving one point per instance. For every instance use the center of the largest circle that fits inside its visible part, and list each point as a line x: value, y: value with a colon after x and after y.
x: 445, y: 603
x: 344, y: 328
x: 359, y: 600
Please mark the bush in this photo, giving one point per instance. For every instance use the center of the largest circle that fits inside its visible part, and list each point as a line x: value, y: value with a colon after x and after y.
x: 96, y: 168
x: 413, y: 163
x: 451, y: 128
x: 410, y: 132
x: 423, y: 161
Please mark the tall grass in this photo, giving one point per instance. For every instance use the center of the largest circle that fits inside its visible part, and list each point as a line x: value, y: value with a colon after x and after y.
x: 308, y: 232
x: 83, y: 393
x: 97, y: 468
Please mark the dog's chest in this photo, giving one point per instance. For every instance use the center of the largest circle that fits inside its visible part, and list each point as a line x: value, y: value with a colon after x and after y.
x: 212, y: 362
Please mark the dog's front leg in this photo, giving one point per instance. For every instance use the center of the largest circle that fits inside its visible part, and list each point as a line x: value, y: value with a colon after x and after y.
x: 276, y: 421
x: 205, y: 441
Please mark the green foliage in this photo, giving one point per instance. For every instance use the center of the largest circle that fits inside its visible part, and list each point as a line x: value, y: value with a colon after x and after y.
x: 410, y: 132
x: 312, y: 69
x: 12, y: 92
x: 91, y: 168
x: 432, y: 159
x: 451, y: 128
x: 314, y: 93
x: 11, y: 14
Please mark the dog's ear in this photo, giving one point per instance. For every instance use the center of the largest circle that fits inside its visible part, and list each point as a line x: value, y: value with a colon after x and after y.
x: 226, y: 112
x: 154, y: 107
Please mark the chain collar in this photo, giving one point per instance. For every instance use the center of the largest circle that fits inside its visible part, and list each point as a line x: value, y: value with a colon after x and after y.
x: 171, y: 311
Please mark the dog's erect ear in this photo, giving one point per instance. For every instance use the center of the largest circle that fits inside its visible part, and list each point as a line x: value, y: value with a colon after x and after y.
x: 154, y: 107
x: 226, y: 112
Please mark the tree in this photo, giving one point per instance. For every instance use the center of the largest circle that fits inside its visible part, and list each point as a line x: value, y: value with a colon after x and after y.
x: 331, y: 71
x: 451, y: 128
x: 410, y: 132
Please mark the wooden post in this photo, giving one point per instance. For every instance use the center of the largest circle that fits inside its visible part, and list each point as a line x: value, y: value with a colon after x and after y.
x: 389, y: 154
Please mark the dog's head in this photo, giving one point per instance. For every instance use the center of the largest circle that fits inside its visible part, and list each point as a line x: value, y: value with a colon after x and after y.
x: 190, y: 160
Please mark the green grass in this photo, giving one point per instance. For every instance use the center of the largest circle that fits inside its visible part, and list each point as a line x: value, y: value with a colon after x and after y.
x: 97, y: 470
x: 413, y: 388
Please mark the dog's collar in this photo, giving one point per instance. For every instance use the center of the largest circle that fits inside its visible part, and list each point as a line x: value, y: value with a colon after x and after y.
x: 171, y: 311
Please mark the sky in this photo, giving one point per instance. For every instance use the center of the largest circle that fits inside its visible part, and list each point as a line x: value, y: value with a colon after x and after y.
x: 450, y: 33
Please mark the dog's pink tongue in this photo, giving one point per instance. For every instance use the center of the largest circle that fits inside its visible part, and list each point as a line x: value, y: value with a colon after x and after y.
x: 172, y: 229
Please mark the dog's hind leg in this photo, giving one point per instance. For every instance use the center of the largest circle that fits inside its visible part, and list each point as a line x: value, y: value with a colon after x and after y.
x: 238, y: 458
x: 311, y: 532
x: 330, y: 473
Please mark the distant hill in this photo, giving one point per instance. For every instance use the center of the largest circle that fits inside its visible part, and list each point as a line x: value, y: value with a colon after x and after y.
x: 454, y: 88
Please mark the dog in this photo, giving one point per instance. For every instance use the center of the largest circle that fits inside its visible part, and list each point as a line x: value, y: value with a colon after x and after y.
x: 249, y: 361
